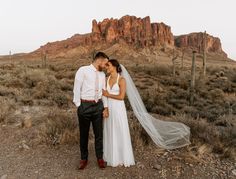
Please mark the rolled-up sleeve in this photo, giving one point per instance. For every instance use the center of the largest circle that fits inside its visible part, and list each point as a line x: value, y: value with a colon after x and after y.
x: 104, y: 98
x: 79, y: 78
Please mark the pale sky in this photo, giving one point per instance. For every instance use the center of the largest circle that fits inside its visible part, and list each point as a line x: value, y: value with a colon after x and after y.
x: 25, y: 25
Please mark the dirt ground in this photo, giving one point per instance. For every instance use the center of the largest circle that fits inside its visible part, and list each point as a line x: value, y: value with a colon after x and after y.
x: 21, y: 158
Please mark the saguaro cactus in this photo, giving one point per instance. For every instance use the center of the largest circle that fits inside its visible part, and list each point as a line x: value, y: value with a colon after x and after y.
x: 204, y: 53
x: 44, y: 59
x: 182, y: 58
x: 10, y: 55
x: 174, y: 57
x: 192, y: 85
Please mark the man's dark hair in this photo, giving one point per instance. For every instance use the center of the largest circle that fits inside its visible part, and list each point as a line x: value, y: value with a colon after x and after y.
x: 100, y: 55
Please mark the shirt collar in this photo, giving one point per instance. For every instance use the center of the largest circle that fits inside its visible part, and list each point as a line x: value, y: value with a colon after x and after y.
x: 93, y: 67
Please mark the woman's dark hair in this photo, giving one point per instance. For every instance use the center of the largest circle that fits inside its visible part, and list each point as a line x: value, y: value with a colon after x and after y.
x: 100, y: 55
x: 116, y: 64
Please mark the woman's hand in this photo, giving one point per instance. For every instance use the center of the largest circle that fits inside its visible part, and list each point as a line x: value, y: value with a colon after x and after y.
x: 105, y: 93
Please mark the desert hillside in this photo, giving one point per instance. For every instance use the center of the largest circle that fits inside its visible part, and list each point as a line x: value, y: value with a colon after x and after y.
x: 38, y: 121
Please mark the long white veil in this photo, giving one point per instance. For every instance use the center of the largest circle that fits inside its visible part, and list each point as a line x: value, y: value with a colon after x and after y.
x: 165, y: 134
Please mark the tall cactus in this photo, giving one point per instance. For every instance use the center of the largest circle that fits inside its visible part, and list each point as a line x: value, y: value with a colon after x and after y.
x: 10, y: 55
x: 182, y: 58
x: 204, y: 53
x: 192, y: 85
x: 44, y: 59
x: 174, y: 57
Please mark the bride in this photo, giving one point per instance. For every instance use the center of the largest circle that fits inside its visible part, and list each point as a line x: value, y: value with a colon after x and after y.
x: 116, y: 136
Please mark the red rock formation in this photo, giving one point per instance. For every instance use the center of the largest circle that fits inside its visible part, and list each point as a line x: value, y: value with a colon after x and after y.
x: 196, y: 40
x: 134, y: 31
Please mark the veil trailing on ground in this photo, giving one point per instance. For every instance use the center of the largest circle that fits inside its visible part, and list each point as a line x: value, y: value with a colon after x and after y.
x: 165, y: 134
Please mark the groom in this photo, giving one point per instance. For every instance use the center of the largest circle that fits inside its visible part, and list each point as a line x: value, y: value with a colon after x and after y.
x: 91, y: 106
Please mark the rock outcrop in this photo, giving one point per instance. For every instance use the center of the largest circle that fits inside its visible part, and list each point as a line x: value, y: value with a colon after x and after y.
x: 134, y: 31
x: 137, y: 32
x: 196, y: 41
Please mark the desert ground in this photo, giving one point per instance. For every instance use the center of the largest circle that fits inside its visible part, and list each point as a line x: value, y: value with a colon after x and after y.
x: 39, y: 127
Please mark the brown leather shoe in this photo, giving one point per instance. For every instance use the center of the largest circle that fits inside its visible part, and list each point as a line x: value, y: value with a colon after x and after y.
x: 101, y: 164
x: 83, y: 164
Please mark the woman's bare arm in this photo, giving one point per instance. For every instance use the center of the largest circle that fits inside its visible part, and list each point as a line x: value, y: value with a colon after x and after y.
x: 121, y: 95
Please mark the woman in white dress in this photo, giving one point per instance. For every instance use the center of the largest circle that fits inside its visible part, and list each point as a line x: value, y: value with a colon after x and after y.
x: 116, y: 136
x: 117, y: 143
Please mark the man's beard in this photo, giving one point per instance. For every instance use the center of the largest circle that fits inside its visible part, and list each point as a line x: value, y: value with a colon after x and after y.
x: 100, y: 68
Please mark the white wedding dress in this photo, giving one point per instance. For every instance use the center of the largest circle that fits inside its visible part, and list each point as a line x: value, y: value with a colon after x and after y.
x: 116, y: 136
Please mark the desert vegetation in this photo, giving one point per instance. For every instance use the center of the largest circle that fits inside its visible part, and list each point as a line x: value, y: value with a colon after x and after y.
x: 44, y: 94
x: 38, y: 117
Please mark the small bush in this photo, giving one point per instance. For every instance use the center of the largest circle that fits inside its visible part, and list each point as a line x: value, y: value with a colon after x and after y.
x: 60, y: 128
x: 7, y: 108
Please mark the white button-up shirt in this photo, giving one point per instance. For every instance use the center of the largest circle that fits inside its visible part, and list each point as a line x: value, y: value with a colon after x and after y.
x: 84, y: 85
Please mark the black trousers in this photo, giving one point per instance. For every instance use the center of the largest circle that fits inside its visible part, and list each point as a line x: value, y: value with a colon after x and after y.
x: 91, y: 113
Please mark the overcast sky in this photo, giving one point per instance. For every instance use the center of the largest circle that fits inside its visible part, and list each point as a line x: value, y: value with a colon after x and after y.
x: 25, y: 25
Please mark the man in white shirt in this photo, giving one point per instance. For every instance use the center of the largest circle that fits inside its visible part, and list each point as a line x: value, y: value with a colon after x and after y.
x: 92, y: 106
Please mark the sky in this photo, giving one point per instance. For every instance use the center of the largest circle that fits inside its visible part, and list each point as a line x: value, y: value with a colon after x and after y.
x: 25, y: 25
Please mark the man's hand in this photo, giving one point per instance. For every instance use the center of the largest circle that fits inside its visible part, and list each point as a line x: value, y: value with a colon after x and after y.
x: 105, y: 113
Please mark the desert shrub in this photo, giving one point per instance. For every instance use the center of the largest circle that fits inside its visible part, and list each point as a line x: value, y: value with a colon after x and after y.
x: 60, y: 127
x: 148, y: 83
x: 25, y: 100
x: 7, y: 107
x: 65, y: 74
x: 221, y: 141
x: 214, y: 70
x: 163, y: 108
x: 156, y: 102
x: 162, y: 70
x: 182, y: 82
x: 142, y: 86
x: 233, y: 78
x: 32, y: 77
x: 178, y: 103
x: 9, y: 92
x: 229, y: 73
x: 8, y: 66
x: 4, y: 113
x: 177, y: 97
x: 60, y: 99
x: 53, y: 68
x: 49, y: 85
x: 211, y: 112
x: 221, y: 81
x: 216, y: 95
x: 10, y: 80
x: 66, y: 85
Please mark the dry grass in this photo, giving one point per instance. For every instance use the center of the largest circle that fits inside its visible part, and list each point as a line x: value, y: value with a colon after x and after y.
x: 7, y: 108
x: 60, y: 127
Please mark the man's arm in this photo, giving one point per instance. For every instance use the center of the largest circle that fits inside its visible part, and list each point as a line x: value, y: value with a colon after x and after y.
x: 104, y: 98
x: 79, y: 78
